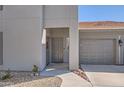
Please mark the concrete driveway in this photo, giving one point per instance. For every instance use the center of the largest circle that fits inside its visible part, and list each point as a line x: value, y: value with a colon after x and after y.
x: 69, y: 79
x: 105, y: 75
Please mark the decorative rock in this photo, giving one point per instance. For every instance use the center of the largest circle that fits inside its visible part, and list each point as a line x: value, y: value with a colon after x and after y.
x: 21, y: 78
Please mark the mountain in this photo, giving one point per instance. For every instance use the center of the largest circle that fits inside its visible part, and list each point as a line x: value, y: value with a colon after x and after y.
x: 101, y: 24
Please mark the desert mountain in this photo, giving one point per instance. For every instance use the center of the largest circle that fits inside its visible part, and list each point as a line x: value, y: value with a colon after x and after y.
x: 101, y: 24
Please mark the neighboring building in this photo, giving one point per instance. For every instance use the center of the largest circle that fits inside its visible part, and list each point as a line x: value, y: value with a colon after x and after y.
x: 101, y: 43
x: 24, y: 31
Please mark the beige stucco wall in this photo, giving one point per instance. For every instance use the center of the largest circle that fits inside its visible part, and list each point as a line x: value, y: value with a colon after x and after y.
x: 21, y: 37
x: 58, y: 32
x: 1, y: 41
x: 1, y: 48
x: 1, y: 21
x: 65, y: 16
x: 22, y: 28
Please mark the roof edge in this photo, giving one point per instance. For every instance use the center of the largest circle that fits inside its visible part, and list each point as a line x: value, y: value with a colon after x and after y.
x: 99, y: 28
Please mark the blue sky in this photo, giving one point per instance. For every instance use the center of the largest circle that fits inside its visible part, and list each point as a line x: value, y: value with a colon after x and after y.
x: 101, y: 13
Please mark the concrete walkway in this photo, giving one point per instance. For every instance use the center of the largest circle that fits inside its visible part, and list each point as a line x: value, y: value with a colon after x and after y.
x: 69, y: 78
x: 105, y: 75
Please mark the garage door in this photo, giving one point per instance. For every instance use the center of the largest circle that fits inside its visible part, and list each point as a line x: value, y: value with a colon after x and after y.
x: 97, y: 51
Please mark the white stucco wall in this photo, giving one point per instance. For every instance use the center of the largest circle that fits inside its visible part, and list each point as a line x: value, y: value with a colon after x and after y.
x: 65, y: 16
x: 21, y: 37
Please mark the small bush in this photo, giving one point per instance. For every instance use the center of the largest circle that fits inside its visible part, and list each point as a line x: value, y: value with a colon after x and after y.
x: 7, y: 75
x: 35, y: 70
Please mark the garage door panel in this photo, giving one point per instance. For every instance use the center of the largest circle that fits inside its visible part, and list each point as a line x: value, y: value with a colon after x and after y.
x: 96, y: 51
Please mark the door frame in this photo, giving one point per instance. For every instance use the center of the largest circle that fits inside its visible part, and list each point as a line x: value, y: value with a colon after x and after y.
x: 64, y: 33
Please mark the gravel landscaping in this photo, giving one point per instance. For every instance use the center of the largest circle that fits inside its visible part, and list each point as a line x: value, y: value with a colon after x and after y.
x: 26, y: 79
x: 81, y: 73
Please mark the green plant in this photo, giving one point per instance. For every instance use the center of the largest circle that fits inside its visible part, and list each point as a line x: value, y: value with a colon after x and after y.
x: 35, y: 70
x: 7, y: 75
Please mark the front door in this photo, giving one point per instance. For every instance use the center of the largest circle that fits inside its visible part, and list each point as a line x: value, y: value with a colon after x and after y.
x: 57, y: 50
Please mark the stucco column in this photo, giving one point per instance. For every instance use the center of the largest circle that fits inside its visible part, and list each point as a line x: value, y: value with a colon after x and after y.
x: 43, y: 41
x: 117, y: 51
x: 120, y: 51
x: 74, y: 48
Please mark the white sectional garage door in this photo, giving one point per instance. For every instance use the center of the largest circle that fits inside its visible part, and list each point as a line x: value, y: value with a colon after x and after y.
x: 96, y: 51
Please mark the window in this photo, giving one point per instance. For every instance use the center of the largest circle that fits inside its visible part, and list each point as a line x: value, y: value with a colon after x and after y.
x: 1, y: 7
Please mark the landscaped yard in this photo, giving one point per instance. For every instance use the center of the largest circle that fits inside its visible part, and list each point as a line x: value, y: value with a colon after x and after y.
x: 26, y: 79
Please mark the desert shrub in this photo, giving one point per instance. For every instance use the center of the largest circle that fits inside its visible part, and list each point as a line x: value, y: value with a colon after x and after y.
x: 35, y: 70
x: 7, y: 75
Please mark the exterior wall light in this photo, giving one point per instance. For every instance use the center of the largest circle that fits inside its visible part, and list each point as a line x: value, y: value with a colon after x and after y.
x: 120, y: 42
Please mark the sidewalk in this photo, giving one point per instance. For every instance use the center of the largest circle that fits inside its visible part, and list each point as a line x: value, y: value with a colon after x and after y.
x: 69, y: 78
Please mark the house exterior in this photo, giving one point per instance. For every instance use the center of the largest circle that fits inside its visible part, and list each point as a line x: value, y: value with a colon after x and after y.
x: 26, y: 31
x: 39, y: 35
x: 101, y: 43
